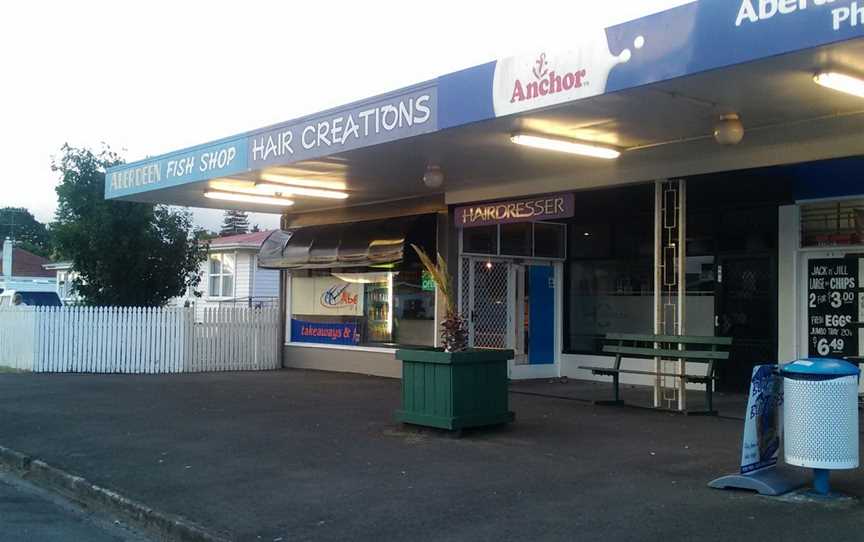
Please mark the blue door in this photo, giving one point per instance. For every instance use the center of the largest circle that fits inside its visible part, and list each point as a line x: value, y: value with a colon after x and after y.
x: 541, y: 315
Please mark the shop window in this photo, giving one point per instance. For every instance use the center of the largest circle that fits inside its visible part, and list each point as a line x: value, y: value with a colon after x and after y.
x: 480, y: 240
x: 609, y: 284
x: 550, y: 240
x: 516, y: 239
x: 386, y: 306
x: 381, y: 308
x: 221, y: 275
x: 836, y: 223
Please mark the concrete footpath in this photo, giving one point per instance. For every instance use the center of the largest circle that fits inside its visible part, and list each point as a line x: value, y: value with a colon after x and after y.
x: 30, y: 514
x: 305, y: 455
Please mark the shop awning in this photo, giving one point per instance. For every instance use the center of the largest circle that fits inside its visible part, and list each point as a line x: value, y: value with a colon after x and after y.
x: 357, y: 244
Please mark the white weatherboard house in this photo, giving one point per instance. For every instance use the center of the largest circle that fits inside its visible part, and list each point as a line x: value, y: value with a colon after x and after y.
x: 23, y: 271
x: 231, y: 274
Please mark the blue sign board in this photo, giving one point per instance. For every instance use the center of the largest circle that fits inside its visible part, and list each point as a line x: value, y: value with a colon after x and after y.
x: 319, y: 333
x: 370, y: 123
x: 196, y: 164
x: 696, y: 37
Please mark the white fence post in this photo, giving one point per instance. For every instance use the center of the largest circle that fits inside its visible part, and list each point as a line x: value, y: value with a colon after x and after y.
x: 138, y: 340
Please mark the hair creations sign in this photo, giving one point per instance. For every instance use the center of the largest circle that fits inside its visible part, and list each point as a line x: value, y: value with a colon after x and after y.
x: 549, y: 207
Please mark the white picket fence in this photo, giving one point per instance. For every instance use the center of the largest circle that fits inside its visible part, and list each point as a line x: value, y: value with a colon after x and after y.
x: 138, y: 340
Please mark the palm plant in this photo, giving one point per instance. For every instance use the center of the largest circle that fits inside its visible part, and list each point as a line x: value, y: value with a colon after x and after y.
x: 454, y: 329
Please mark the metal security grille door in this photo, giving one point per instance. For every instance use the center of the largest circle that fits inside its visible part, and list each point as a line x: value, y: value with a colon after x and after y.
x: 486, y: 292
x: 745, y: 306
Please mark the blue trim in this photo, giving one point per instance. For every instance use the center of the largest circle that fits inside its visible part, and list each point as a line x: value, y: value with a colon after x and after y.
x: 840, y: 177
x: 692, y: 38
x: 819, y: 369
x: 541, y: 315
x: 466, y: 96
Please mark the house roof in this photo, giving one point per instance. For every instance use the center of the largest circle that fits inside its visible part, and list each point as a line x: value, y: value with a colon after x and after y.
x: 251, y: 240
x: 27, y: 264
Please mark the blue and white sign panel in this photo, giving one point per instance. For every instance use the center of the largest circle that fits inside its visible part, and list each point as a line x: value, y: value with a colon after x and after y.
x: 695, y: 37
x: 761, y: 442
x: 689, y: 39
x: 195, y: 164
x: 320, y: 333
x: 389, y: 119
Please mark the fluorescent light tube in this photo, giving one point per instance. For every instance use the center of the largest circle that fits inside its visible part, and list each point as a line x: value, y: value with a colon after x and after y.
x: 248, y: 198
x: 310, y: 183
x: 842, y: 82
x: 565, y: 145
x: 285, y: 190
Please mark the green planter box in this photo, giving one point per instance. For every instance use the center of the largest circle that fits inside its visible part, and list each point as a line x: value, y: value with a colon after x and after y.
x: 454, y: 390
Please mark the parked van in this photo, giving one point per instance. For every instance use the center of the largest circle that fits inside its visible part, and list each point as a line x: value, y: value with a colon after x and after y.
x: 15, y: 298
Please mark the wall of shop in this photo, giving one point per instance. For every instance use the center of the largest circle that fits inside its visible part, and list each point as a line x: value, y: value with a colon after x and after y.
x: 347, y: 360
x: 788, y: 304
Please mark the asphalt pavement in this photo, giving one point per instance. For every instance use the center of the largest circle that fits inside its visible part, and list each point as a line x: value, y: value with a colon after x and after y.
x: 306, y: 455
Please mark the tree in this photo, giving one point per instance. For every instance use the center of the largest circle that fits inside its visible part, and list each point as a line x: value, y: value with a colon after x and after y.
x: 28, y: 233
x: 235, y: 223
x: 125, y: 253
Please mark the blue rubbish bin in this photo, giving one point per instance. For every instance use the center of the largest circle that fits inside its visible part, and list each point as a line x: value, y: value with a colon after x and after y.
x: 820, y: 416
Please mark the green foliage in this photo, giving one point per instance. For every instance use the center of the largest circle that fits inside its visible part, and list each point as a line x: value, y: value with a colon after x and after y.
x: 125, y: 253
x: 454, y: 329
x: 235, y: 223
x: 30, y: 234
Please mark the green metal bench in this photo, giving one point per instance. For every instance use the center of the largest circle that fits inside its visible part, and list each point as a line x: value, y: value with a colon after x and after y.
x: 687, y: 348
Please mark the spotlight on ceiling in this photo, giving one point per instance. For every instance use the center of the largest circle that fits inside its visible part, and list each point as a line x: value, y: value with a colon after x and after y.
x: 247, y: 198
x: 729, y: 130
x: 842, y: 82
x: 570, y: 146
x: 433, y: 177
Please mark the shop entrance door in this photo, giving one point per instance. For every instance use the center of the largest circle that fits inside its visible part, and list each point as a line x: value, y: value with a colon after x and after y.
x: 510, y: 305
x: 745, y: 310
x: 540, y: 309
x: 486, y: 302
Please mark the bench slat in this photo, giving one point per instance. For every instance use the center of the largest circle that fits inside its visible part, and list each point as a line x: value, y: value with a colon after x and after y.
x: 681, y: 339
x: 608, y: 370
x: 694, y: 355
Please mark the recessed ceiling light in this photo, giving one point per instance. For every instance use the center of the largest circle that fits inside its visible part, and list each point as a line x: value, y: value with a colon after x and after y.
x: 570, y: 146
x: 310, y: 183
x: 842, y: 82
x: 248, y: 198
x: 285, y: 190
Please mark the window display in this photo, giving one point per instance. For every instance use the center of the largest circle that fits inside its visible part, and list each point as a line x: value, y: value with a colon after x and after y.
x: 371, y: 308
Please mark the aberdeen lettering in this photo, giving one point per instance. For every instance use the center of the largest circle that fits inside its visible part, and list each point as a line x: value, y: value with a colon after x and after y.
x: 138, y: 176
x: 753, y: 11
x: 184, y: 167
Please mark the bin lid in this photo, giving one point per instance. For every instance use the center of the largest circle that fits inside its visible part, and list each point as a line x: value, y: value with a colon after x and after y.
x: 820, y: 367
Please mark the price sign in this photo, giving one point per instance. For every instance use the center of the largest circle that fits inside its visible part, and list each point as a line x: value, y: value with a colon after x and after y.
x: 834, y: 304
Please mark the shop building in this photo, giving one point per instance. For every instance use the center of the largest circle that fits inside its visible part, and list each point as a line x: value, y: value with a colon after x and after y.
x: 692, y: 171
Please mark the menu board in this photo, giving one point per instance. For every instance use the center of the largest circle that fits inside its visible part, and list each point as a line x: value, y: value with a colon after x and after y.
x: 834, y: 302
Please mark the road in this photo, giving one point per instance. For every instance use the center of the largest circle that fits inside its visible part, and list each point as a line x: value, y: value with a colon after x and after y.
x: 29, y: 514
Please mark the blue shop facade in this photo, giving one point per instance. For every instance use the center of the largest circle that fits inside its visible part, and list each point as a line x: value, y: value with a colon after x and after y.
x: 694, y: 171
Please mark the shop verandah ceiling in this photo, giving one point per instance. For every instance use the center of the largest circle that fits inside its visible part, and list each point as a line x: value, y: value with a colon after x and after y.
x: 664, y: 128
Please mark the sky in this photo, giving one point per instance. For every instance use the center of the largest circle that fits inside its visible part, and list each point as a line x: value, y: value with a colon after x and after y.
x: 148, y: 77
